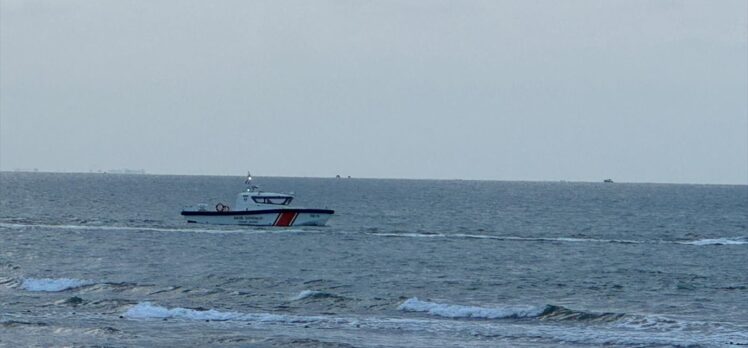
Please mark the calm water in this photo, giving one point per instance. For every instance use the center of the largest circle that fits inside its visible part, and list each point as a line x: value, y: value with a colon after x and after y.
x: 94, y: 259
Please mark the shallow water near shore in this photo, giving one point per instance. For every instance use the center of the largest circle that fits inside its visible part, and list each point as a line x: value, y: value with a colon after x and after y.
x: 106, y: 260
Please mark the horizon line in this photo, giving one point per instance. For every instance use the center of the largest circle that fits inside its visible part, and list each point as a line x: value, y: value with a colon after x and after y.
x: 342, y: 177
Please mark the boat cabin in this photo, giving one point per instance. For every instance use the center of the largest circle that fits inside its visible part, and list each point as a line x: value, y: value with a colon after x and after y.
x: 251, y: 199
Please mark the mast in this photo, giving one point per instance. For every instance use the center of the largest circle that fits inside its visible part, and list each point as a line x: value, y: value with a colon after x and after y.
x: 248, y: 182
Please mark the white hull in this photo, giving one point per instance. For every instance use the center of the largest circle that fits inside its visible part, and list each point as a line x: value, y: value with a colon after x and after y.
x: 274, y: 217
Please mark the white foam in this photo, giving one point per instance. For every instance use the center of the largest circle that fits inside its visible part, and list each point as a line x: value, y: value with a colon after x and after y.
x: 717, y: 241
x: 616, y: 335
x: 714, y: 241
x: 626, y: 333
x: 53, y: 285
x: 457, y: 311
x: 147, y: 310
x: 512, y: 238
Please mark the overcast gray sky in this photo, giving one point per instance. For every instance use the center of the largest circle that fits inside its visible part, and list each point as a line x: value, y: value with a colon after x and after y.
x: 642, y: 91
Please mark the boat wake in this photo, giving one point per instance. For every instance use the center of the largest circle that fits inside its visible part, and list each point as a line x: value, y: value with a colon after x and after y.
x: 254, y: 230
x: 718, y: 241
x: 699, y: 242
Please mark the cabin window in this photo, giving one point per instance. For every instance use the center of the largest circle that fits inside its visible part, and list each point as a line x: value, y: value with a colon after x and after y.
x: 273, y: 200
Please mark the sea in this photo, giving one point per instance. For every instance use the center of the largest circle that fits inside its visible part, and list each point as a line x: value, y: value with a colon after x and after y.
x: 106, y: 260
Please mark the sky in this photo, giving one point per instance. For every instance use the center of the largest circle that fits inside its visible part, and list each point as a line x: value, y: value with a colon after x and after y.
x: 636, y: 91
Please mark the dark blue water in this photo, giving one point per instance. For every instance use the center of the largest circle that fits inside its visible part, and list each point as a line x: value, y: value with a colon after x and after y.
x: 101, y: 259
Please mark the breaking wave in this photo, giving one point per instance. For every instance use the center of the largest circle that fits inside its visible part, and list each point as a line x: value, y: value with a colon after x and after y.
x: 147, y: 310
x: 547, y: 312
x: 53, y: 284
x: 609, y: 328
x: 457, y: 311
x: 630, y: 323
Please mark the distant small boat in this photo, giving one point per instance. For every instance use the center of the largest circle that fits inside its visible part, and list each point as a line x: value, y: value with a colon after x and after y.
x: 257, y: 208
x: 608, y: 181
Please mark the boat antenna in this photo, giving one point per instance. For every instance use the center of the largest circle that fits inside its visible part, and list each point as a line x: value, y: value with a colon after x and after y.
x: 248, y: 182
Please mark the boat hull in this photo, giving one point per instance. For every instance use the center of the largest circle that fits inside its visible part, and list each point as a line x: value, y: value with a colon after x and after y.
x: 266, y: 217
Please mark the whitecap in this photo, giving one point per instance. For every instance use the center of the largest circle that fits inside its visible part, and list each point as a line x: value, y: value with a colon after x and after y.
x: 627, y: 332
x: 53, y: 284
x: 147, y: 310
x: 458, y: 311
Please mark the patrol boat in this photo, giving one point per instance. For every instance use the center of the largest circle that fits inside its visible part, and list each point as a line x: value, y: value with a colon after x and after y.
x: 254, y: 207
